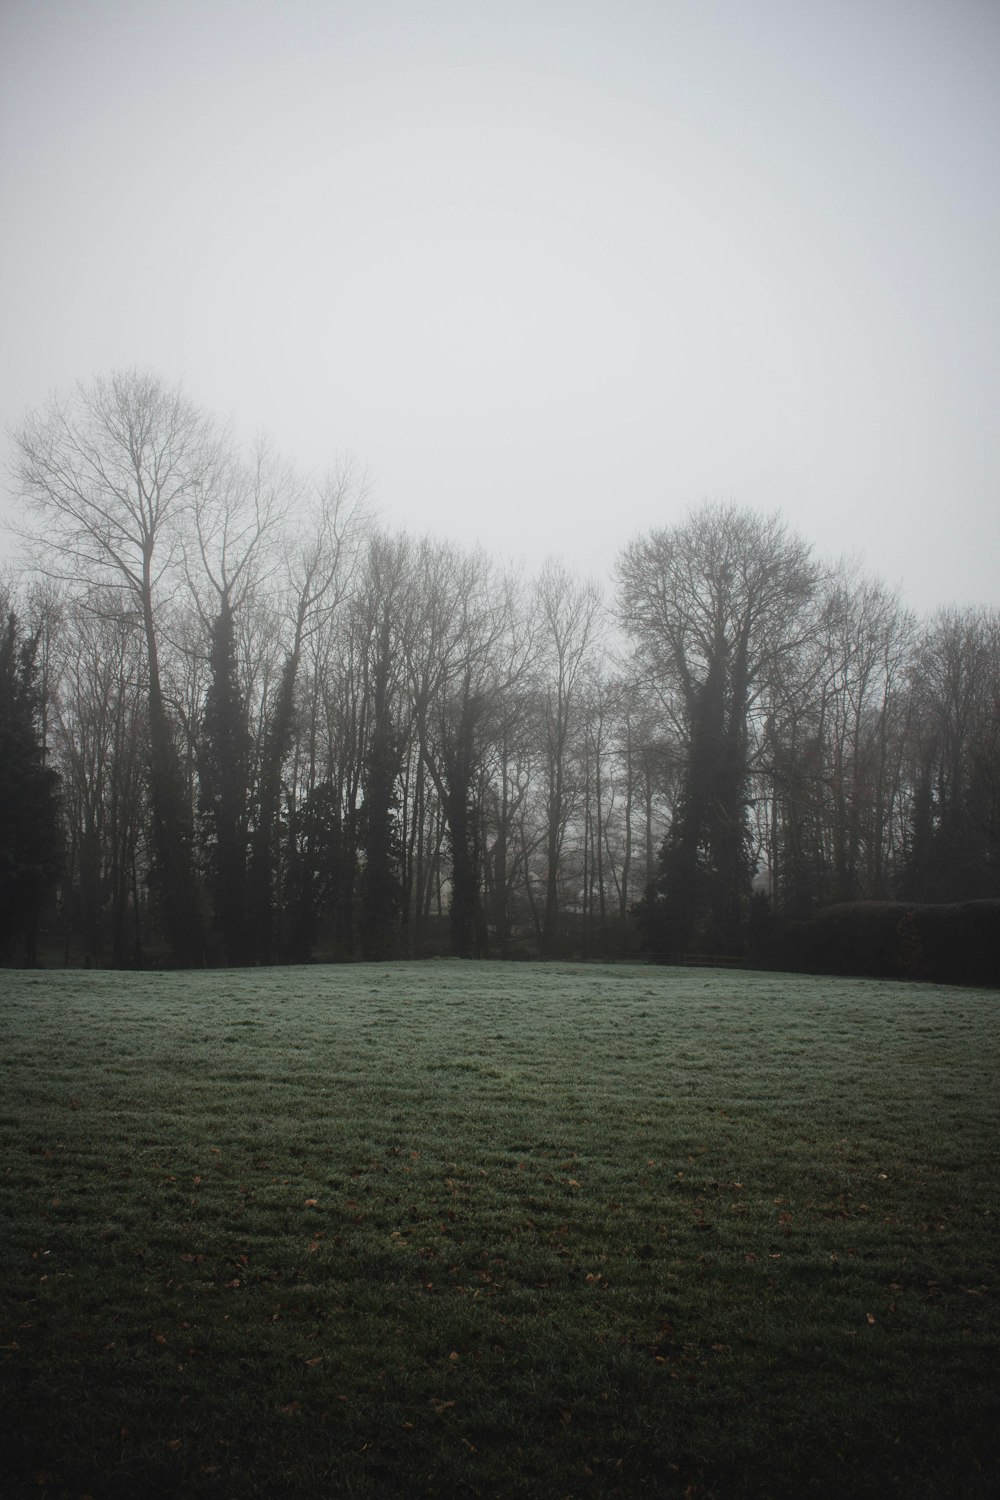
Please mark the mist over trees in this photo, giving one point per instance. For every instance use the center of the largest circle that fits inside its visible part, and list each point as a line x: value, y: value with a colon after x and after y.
x: 241, y: 723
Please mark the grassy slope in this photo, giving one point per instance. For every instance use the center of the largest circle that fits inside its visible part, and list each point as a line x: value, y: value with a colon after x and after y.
x: 456, y: 1229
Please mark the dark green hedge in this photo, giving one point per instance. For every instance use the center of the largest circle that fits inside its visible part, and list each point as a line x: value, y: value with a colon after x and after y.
x: 954, y: 944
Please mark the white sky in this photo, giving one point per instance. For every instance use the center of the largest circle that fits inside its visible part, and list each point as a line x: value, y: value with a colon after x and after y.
x: 552, y: 271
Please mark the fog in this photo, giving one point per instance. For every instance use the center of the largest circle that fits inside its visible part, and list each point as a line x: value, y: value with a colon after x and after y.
x: 552, y: 273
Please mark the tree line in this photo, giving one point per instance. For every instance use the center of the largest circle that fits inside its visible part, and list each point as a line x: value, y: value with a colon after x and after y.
x: 242, y: 723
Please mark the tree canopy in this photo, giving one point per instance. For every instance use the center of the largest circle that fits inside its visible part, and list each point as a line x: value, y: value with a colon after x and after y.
x: 281, y: 732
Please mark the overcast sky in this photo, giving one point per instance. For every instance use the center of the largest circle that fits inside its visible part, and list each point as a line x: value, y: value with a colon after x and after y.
x: 553, y: 271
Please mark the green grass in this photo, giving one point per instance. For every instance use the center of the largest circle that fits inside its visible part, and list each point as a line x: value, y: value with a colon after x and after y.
x: 453, y: 1229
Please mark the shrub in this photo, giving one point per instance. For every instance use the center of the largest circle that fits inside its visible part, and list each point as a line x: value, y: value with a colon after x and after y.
x: 957, y: 943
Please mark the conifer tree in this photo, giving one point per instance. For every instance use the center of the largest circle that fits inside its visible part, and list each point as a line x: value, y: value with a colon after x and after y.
x: 223, y: 765
x: 30, y: 841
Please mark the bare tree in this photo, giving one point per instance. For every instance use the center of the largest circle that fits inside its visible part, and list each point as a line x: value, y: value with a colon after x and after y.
x: 955, y: 726
x: 99, y: 735
x: 465, y: 656
x: 319, y: 571
x: 712, y: 606
x: 867, y: 637
x: 230, y: 549
x: 569, y: 612
x: 106, y: 476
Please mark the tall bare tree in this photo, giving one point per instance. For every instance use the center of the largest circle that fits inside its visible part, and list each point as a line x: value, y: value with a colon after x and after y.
x: 319, y: 571
x: 569, y: 613
x: 100, y: 739
x: 106, y: 475
x: 230, y: 548
x: 867, y: 638
x: 465, y: 657
x: 954, y: 847
x: 712, y: 606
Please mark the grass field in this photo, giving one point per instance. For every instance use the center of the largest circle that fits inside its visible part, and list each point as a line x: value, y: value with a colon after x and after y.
x: 454, y: 1229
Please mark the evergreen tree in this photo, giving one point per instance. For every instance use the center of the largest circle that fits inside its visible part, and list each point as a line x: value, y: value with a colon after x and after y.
x: 381, y: 886
x: 223, y: 766
x: 317, y: 865
x: 30, y: 842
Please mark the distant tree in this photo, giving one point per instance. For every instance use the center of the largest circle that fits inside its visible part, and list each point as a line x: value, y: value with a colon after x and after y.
x: 223, y: 773
x: 513, y: 776
x: 516, y: 767
x: 107, y: 476
x: 30, y: 836
x: 464, y: 657
x: 382, y: 615
x: 318, y: 867
x: 867, y: 639
x: 954, y: 848
x: 99, y: 736
x: 830, y: 776
x: 712, y: 606
x: 233, y: 521
x: 327, y: 809
x: 568, y: 615
x: 651, y: 768
x: 319, y: 573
